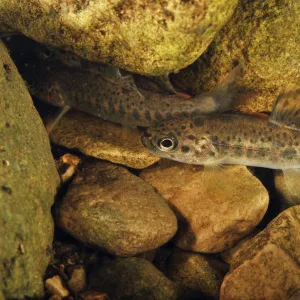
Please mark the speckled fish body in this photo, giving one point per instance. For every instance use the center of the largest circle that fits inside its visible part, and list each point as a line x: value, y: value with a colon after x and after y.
x: 101, y: 91
x: 229, y: 139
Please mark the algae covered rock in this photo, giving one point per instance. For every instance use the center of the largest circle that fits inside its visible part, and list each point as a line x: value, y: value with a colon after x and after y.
x: 28, y: 181
x: 149, y: 37
x: 264, y: 37
x: 132, y: 278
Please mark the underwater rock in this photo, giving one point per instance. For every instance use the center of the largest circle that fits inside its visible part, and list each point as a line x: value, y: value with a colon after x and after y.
x: 215, y: 208
x: 28, y: 181
x: 108, y: 207
x: 149, y: 37
x: 229, y: 255
x: 132, y: 278
x: 288, y: 188
x: 268, y: 267
x: 55, y: 287
x: 197, y: 274
x: 101, y: 139
x: 264, y: 37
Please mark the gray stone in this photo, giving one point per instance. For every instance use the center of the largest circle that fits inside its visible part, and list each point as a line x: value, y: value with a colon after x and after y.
x: 108, y: 207
x: 132, y: 278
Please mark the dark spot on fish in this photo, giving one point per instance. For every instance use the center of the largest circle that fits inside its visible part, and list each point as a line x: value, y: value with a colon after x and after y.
x: 269, y: 138
x: 251, y: 141
x: 211, y: 153
x: 172, y: 124
x: 196, y: 113
x: 169, y: 116
x: 122, y: 110
x: 136, y: 114
x: 215, y: 139
x: 183, y: 127
x: 284, y: 134
x: 141, y: 102
x: 228, y: 138
x: 203, y: 147
x: 132, y: 104
x: 185, y: 149
x: 296, y: 143
x: 245, y: 134
x: 147, y: 115
x: 282, y: 144
x: 191, y: 137
x: 262, y: 139
x: 253, y: 130
x: 167, y: 104
x: 277, y: 135
x: 197, y: 153
x: 128, y: 106
x: 191, y: 125
x: 199, y: 122
x: 239, y: 139
x: 289, y: 153
x: 290, y: 143
x: 184, y: 114
x: 7, y: 125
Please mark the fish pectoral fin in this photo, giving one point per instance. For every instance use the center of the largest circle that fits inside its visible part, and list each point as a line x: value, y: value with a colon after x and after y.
x: 286, y: 110
x: 164, y: 82
x: 51, y: 122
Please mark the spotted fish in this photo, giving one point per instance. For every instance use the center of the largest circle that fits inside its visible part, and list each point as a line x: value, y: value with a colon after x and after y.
x: 233, y: 139
x: 102, y: 91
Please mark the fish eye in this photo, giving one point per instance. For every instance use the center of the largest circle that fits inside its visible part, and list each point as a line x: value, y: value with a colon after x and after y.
x: 167, y: 144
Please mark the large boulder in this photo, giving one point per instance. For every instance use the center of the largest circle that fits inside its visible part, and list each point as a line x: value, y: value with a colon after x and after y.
x: 28, y: 181
x: 264, y: 37
x: 149, y: 37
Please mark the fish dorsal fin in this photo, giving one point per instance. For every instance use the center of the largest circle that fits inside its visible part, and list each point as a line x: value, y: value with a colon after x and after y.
x: 286, y: 110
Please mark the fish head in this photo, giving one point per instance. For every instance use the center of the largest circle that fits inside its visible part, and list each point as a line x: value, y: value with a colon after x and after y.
x: 184, y: 140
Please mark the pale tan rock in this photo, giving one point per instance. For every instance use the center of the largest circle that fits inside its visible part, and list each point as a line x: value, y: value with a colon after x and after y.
x: 288, y: 188
x: 150, y: 37
x: 110, y: 208
x: 268, y: 267
x: 215, y: 208
x: 195, y: 273
x: 77, y: 282
x: 66, y: 166
x: 55, y: 286
x: 102, y: 139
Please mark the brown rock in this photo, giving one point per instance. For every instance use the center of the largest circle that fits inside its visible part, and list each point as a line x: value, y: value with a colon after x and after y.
x: 215, y: 208
x: 77, y: 282
x: 268, y: 267
x: 101, y: 139
x: 55, y: 286
x: 230, y: 254
x: 108, y: 207
x: 195, y: 273
x: 93, y: 295
x: 288, y: 188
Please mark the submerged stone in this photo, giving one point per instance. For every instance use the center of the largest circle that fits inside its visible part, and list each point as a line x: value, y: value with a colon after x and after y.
x: 28, y: 181
x: 148, y: 37
x: 108, y: 207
